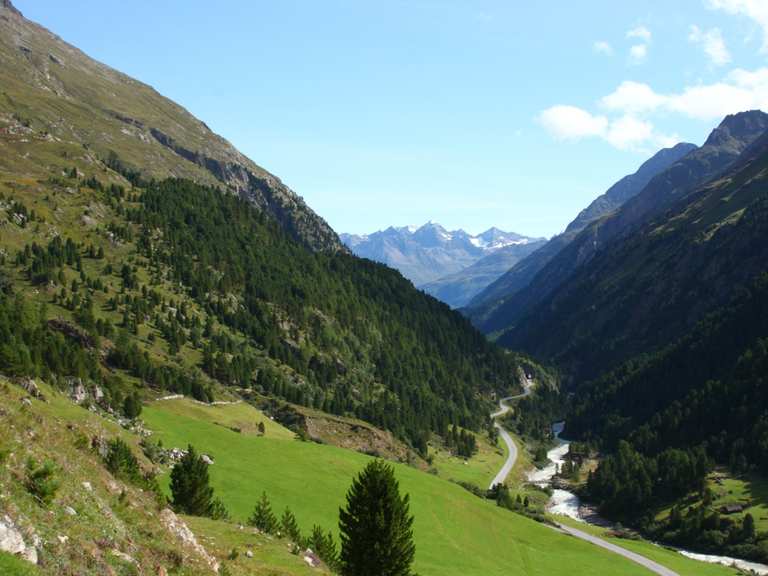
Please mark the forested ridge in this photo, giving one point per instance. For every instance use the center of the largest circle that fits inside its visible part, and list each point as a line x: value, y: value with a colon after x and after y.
x: 256, y: 308
x: 662, y: 338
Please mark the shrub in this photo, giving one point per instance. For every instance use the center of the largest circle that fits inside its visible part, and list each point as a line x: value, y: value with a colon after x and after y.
x: 40, y: 481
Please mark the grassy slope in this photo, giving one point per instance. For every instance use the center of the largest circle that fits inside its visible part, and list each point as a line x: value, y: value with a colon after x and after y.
x: 271, y: 556
x: 669, y: 558
x: 52, y: 430
x: 456, y: 533
x: 478, y: 470
x: 750, y: 491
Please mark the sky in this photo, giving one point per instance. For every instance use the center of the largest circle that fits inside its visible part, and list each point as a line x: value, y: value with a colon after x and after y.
x: 468, y: 113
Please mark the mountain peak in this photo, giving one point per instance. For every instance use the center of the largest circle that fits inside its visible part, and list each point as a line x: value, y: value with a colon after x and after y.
x: 8, y: 5
x: 741, y: 126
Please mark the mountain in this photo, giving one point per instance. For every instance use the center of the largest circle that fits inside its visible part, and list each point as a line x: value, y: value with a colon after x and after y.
x: 459, y: 288
x: 57, y: 97
x: 672, y: 185
x: 650, y: 286
x: 522, y: 273
x: 427, y: 253
x: 164, y: 261
x: 663, y: 338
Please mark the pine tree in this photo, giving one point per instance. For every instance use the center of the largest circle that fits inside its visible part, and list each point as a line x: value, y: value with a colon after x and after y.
x: 748, y: 527
x: 132, y: 406
x: 290, y: 527
x: 376, y: 526
x: 324, y: 546
x: 263, y: 518
x: 190, y: 487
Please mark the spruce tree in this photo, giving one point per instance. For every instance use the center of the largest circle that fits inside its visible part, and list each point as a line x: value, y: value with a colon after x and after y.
x: 323, y: 544
x: 263, y: 518
x: 190, y: 487
x: 290, y: 527
x: 376, y: 526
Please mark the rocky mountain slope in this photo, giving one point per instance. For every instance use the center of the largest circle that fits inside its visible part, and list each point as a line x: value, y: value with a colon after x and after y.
x: 430, y: 252
x: 459, y: 288
x: 651, y: 286
x: 62, y: 104
x: 722, y: 148
x: 522, y: 274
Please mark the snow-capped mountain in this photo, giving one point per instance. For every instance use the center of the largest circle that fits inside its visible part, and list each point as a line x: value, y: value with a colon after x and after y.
x: 429, y: 252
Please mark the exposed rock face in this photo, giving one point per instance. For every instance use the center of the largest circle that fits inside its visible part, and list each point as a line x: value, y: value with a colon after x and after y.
x: 31, y: 387
x: 12, y: 541
x: 178, y: 528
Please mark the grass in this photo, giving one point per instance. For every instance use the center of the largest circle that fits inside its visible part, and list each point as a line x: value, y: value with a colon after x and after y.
x: 112, y: 514
x: 271, y: 556
x: 13, y: 566
x: 456, y: 533
x: 664, y: 556
x: 749, y: 491
x: 478, y: 470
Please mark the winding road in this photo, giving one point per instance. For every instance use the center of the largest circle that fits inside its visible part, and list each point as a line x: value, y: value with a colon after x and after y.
x: 654, y: 567
x: 512, y: 457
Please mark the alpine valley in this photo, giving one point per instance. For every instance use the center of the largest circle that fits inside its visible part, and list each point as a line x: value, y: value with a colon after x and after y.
x: 198, y: 375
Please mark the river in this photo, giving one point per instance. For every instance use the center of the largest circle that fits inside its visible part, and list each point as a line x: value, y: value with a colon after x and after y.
x: 565, y: 503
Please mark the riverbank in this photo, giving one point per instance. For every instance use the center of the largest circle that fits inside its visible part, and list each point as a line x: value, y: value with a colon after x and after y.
x: 564, y: 503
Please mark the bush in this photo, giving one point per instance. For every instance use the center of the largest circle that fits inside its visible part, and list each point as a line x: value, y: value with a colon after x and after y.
x: 121, y: 462
x: 40, y: 481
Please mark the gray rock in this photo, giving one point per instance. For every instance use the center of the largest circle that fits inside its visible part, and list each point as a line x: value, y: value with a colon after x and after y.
x: 12, y: 541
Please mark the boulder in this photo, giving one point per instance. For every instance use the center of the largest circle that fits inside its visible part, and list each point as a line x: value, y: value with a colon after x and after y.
x: 12, y: 542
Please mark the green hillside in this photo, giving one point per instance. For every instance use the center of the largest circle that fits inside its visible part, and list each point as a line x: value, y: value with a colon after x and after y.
x: 456, y: 532
x: 59, y: 108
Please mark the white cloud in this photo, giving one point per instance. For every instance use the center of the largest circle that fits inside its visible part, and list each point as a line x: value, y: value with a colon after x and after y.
x: 632, y: 98
x: 630, y: 109
x: 713, y: 101
x: 713, y: 44
x: 640, y: 32
x: 572, y: 123
x: 628, y: 132
x: 757, y: 10
x: 638, y: 52
x: 602, y: 47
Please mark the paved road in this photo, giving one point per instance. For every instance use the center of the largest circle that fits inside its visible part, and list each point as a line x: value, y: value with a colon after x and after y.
x: 642, y: 560
x: 512, y: 457
x: 575, y: 532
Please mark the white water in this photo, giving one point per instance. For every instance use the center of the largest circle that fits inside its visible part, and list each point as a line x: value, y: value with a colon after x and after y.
x: 761, y: 569
x: 567, y: 503
x: 562, y: 502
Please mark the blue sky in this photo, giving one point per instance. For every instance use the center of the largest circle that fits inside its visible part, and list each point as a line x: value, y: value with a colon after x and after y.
x: 469, y: 113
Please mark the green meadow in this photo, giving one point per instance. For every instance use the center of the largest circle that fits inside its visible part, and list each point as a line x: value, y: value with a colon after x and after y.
x: 456, y: 533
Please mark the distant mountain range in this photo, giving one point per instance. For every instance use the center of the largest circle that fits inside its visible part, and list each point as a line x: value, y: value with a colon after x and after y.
x: 429, y: 253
